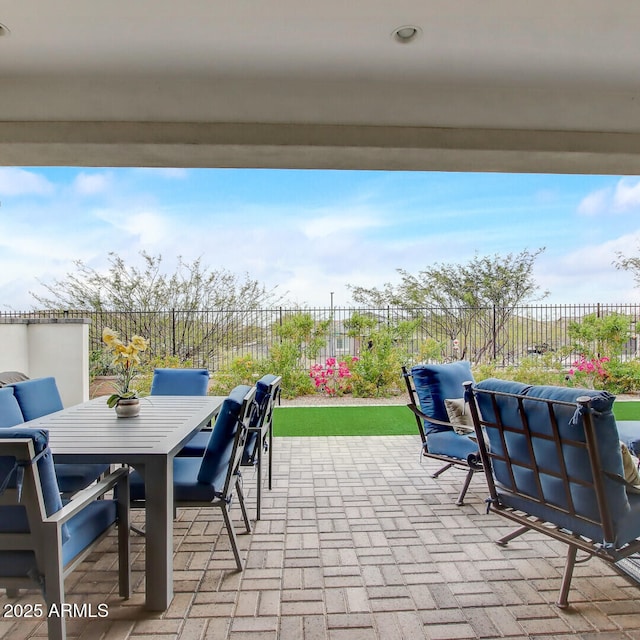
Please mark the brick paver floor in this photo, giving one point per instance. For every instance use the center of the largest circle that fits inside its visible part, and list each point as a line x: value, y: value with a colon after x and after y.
x: 357, y: 542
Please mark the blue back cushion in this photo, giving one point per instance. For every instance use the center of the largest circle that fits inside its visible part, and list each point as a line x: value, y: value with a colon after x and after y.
x: 436, y: 382
x: 14, y: 518
x: 217, y: 455
x: 261, y: 399
x: 180, y: 382
x: 262, y: 392
x: 38, y: 397
x: 10, y: 414
x: 551, y: 493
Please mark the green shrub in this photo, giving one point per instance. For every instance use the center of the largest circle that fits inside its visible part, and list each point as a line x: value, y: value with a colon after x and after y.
x: 242, y: 370
x: 538, y: 370
x: 622, y: 377
x: 377, y: 373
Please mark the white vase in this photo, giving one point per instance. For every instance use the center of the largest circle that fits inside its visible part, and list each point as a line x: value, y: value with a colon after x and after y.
x: 128, y: 407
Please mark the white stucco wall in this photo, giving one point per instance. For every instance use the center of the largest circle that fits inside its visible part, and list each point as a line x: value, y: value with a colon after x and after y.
x: 49, y: 347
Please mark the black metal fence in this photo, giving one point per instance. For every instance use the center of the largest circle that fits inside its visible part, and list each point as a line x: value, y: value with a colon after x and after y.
x: 213, y: 339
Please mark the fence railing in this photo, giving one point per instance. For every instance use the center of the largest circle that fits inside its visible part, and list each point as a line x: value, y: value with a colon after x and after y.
x: 213, y: 339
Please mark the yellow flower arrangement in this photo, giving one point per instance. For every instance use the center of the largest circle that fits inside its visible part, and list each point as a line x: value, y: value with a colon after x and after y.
x: 126, y: 357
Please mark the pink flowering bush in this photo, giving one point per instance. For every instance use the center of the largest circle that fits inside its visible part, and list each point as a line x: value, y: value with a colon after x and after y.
x: 333, y: 378
x: 588, y: 372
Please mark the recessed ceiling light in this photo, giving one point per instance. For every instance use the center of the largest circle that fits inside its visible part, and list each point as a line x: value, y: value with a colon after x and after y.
x: 3, y: 30
x: 406, y: 34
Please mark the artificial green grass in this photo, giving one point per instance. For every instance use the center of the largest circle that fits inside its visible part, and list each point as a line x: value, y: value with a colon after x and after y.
x: 396, y: 420
x: 373, y: 420
x: 627, y: 410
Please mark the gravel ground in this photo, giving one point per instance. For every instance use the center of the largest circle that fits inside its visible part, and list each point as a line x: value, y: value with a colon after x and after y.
x: 317, y: 400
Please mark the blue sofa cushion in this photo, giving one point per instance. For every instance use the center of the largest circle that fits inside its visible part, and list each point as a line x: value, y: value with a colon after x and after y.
x: 10, y: 414
x: 217, y: 455
x: 38, y: 397
x: 180, y: 382
x: 509, y: 410
x: 434, y: 383
x: 549, y: 499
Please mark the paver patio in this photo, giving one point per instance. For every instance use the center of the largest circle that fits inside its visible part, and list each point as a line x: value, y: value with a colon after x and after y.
x: 357, y: 542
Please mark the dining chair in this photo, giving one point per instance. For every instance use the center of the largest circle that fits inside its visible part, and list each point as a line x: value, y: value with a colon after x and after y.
x: 259, y: 439
x: 41, y: 540
x: 39, y: 397
x: 213, y: 479
x: 179, y: 382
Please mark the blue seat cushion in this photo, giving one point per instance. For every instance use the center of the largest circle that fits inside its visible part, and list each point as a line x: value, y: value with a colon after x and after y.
x: 75, y: 476
x: 180, y: 382
x: 217, y: 455
x: 10, y: 414
x: 436, y: 382
x: 186, y: 487
x: 38, y: 397
x: 453, y: 445
x: 83, y: 529
x: 196, y: 445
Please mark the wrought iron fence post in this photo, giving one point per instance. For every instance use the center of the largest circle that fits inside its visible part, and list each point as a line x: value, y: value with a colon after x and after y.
x: 173, y: 332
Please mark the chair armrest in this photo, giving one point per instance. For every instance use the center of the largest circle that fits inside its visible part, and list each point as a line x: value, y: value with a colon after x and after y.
x: 81, y: 499
x: 424, y: 416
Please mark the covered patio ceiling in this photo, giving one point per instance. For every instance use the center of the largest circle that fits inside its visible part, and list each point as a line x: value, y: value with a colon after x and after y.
x: 497, y: 85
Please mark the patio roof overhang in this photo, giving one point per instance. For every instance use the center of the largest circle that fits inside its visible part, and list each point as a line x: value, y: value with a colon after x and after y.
x: 500, y: 86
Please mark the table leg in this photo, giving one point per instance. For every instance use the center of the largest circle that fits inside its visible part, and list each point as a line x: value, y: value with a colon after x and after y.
x: 158, y: 478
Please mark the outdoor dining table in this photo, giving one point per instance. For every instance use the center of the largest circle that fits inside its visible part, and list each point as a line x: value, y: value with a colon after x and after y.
x: 91, y: 432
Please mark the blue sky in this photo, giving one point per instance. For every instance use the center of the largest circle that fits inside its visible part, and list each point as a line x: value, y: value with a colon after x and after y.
x: 313, y: 232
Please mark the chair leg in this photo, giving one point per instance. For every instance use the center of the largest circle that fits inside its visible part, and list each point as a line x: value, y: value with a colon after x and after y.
x: 232, y: 536
x: 258, y: 482
x: 54, y: 595
x: 442, y: 470
x: 465, y: 486
x: 511, y: 535
x: 563, y: 598
x: 243, y: 506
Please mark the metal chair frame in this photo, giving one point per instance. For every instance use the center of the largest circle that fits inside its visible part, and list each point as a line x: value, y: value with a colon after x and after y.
x: 606, y: 550
x: 45, y: 534
x: 471, y: 467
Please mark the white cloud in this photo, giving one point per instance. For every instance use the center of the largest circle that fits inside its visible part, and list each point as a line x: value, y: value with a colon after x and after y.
x: 322, y: 226
x: 625, y: 196
x: 17, y: 182
x: 595, y: 203
x: 588, y: 274
x: 92, y: 183
x: 171, y: 173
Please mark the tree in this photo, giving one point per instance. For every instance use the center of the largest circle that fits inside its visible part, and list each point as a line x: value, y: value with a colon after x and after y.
x: 455, y: 299
x: 631, y: 264
x: 200, y: 305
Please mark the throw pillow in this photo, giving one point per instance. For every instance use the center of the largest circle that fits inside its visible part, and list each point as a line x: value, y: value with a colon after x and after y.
x: 459, y: 415
x: 630, y: 466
